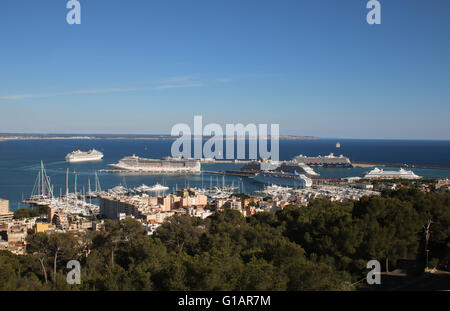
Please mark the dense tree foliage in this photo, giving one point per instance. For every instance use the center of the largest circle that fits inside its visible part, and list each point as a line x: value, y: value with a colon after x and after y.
x: 324, y: 246
x: 30, y: 212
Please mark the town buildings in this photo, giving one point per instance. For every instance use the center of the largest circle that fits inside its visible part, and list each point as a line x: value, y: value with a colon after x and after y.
x: 5, y: 214
x: 150, y: 208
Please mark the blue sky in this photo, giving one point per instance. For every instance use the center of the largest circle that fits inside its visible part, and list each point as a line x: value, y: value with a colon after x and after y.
x: 314, y: 67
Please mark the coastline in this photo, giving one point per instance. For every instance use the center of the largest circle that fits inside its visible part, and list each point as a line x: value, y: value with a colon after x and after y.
x: 131, y: 137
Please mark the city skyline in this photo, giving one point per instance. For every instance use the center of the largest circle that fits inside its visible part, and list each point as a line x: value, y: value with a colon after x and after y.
x: 315, y: 67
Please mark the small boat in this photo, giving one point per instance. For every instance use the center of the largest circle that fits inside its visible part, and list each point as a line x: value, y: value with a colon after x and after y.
x: 158, y: 187
x: 143, y: 188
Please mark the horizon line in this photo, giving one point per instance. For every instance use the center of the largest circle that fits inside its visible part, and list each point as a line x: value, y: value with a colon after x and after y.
x: 307, y: 137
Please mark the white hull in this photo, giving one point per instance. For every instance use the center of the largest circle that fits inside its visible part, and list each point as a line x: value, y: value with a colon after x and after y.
x: 166, y: 165
x: 156, y: 169
x: 80, y: 156
x: 382, y: 174
x: 90, y: 159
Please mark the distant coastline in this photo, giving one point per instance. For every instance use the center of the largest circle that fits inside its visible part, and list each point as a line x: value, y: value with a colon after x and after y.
x: 7, y: 137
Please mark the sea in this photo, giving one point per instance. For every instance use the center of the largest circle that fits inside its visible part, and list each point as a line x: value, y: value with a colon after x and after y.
x: 20, y: 162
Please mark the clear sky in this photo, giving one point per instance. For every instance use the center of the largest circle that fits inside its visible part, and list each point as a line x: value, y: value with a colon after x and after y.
x: 140, y: 66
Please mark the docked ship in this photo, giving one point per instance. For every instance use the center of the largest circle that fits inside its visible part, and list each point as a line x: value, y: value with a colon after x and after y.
x: 401, y: 174
x: 166, y: 165
x: 262, y: 165
x: 280, y: 178
x: 326, y: 161
x: 258, y: 166
x: 301, y: 168
x: 81, y: 156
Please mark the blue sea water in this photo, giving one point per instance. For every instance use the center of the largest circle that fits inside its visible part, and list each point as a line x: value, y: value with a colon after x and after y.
x: 20, y: 162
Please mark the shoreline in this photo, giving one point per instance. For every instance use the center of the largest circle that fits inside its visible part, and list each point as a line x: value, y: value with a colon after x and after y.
x: 133, y: 137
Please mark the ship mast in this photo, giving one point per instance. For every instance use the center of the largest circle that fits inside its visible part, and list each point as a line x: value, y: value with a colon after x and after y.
x: 67, y: 182
x: 42, y: 179
x: 75, y: 187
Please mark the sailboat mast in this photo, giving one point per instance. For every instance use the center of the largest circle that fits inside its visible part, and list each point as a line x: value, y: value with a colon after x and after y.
x: 96, y: 181
x: 42, y: 179
x: 67, y: 182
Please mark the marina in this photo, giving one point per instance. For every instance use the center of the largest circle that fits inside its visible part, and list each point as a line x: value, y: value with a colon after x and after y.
x: 20, y: 163
x: 71, y: 203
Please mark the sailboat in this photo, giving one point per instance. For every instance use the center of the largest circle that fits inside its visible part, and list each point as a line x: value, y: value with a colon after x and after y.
x: 42, y: 193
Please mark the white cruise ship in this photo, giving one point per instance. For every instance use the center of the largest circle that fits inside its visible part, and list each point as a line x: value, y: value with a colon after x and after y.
x: 166, y: 165
x: 324, y: 161
x: 283, y: 179
x: 401, y: 174
x: 81, y: 156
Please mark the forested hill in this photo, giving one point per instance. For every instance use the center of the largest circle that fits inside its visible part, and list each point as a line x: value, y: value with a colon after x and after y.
x: 325, y: 246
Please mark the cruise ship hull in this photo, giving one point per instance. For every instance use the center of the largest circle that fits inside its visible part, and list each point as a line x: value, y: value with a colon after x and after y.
x: 324, y: 161
x: 80, y: 156
x: 377, y: 173
x: 78, y: 160
x: 330, y: 165
x: 167, y: 166
x: 156, y: 169
x: 294, y: 181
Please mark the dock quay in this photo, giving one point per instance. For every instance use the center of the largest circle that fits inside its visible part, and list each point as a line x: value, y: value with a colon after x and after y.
x: 234, y: 173
x: 226, y: 161
x: 131, y: 172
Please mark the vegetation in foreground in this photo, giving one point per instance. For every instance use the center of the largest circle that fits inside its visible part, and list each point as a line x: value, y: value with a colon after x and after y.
x: 324, y: 246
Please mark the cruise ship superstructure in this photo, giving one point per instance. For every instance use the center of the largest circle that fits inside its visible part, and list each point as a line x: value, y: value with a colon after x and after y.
x: 165, y: 165
x: 280, y: 178
x: 262, y: 165
x: 81, y: 156
x: 298, y: 167
x: 401, y: 174
x: 258, y: 166
x: 325, y: 161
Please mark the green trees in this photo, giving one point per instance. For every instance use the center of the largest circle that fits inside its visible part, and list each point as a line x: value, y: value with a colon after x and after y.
x: 434, y: 211
x: 390, y: 227
x: 181, y: 233
x: 325, y: 230
x: 54, y: 249
x: 29, y: 213
x: 323, y: 246
x: 347, y: 235
x: 16, y: 273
